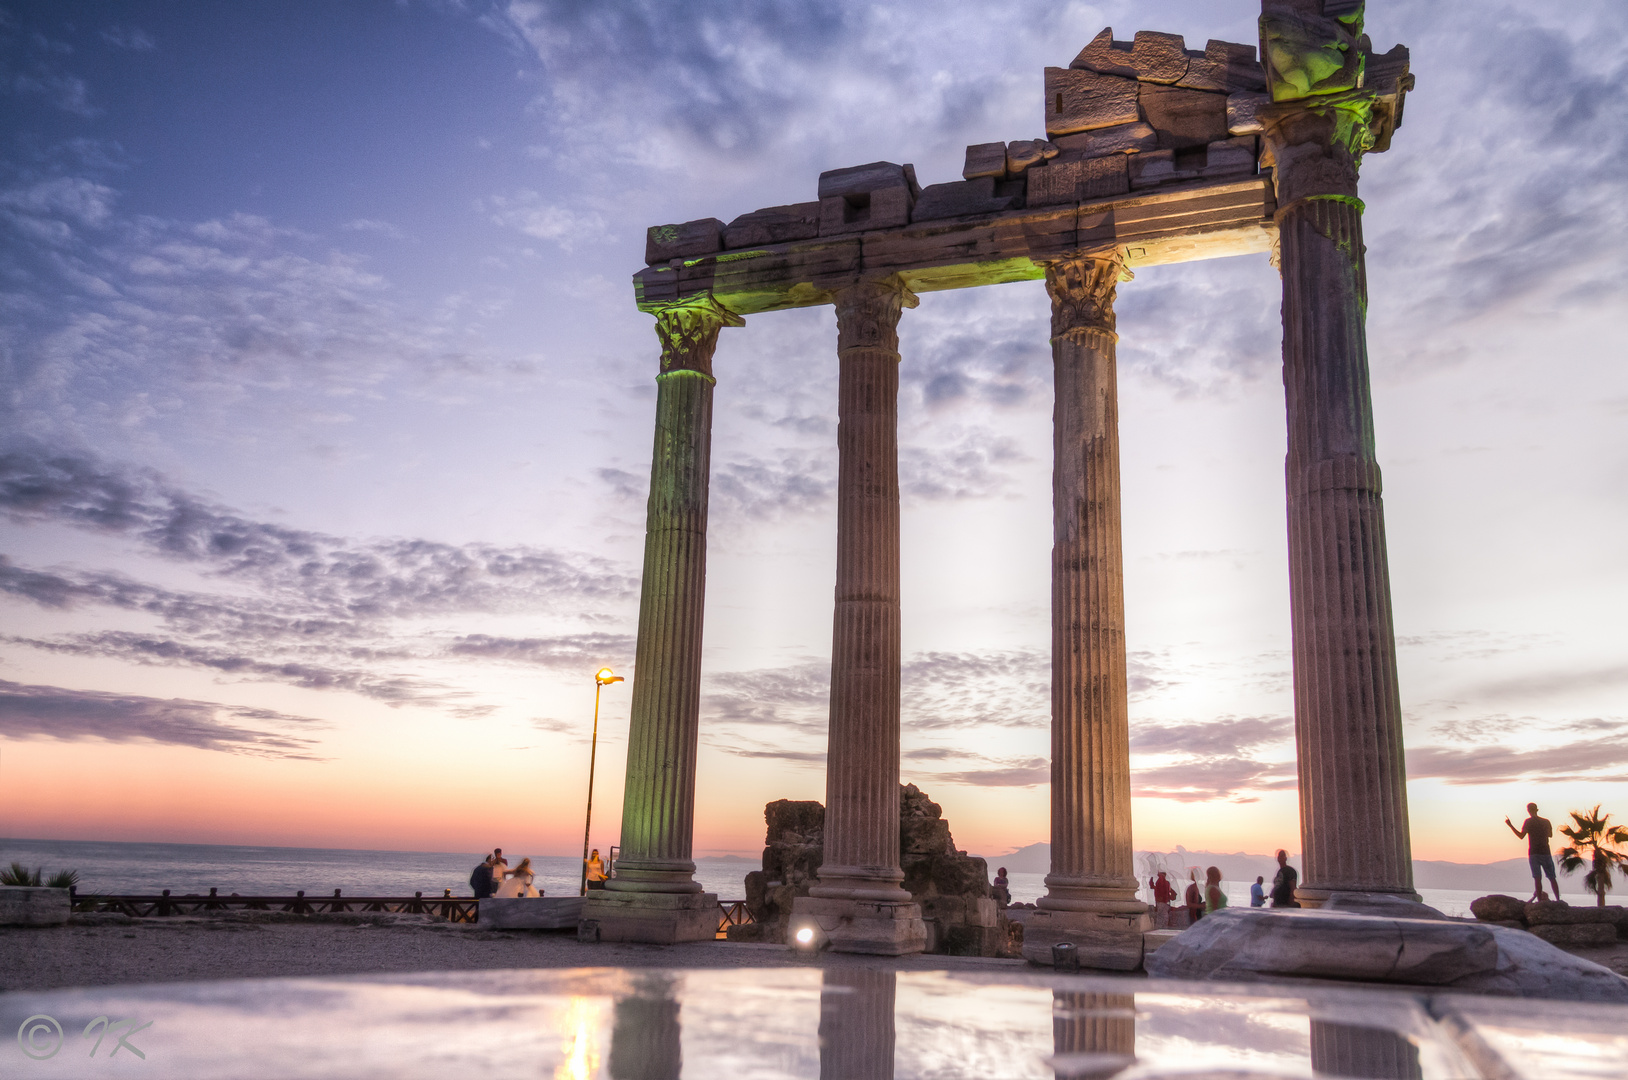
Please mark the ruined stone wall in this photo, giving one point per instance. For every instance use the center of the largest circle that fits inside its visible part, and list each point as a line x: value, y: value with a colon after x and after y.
x: 951, y: 886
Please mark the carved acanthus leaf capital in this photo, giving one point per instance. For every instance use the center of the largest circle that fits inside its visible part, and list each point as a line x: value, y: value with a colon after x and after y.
x: 688, y: 330
x: 868, y: 313
x: 1082, y: 292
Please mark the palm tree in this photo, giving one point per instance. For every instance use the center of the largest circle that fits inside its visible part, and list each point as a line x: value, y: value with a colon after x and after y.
x: 1589, y: 835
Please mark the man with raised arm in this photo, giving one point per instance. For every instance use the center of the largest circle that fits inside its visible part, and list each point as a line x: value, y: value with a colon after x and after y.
x: 1537, y: 831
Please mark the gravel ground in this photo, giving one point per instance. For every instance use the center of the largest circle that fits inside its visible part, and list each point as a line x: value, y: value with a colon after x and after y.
x: 105, y: 950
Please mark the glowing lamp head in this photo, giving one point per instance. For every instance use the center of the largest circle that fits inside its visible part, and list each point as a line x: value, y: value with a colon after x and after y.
x: 805, y: 936
x: 605, y: 676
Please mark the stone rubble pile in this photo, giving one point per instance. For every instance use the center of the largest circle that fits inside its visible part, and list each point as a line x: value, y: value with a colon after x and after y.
x: 1124, y: 116
x: 1558, y: 923
x: 951, y: 886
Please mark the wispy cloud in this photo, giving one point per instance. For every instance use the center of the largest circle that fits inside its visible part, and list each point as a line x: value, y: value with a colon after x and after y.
x: 57, y: 713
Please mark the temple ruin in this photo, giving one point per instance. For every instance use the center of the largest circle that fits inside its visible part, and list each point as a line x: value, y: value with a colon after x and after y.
x: 1152, y: 153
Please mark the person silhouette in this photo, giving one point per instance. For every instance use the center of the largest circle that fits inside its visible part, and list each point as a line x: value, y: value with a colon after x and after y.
x: 1537, y: 831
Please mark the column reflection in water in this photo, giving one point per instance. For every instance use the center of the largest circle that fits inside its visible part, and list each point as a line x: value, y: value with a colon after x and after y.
x: 1092, y: 1035
x: 1364, y: 1052
x: 856, y: 1025
x: 646, y: 1038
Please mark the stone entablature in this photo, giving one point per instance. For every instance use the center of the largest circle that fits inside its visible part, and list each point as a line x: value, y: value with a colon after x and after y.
x: 1150, y: 147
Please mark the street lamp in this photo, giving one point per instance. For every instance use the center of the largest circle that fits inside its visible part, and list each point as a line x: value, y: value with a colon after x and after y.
x: 602, y: 678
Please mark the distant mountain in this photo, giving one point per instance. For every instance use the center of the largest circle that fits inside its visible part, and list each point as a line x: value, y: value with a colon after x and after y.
x: 1508, y: 876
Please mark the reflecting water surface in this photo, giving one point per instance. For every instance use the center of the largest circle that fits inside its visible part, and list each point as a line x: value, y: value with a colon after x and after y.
x: 848, y: 1021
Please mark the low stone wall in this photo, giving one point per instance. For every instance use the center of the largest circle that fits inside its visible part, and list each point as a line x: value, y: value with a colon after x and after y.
x: 1556, y: 922
x: 22, y: 905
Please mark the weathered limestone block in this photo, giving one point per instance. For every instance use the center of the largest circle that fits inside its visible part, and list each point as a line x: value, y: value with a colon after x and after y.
x: 1083, y: 100
x: 531, y: 912
x: 1387, y: 904
x: 1106, y: 942
x: 864, y: 179
x: 1161, y: 167
x: 1026, y: 152
x: 1498, y: 908
x: 861, y: 197
x: 1239, y: 154
x: 665, y: 242
x: 1224, y: 65
x: 1184, y: 117
x: 966, y: 197
x: 654, y: 918
x: 1266, y: 945
x: 1076, y: 181
x: 1124, y: 139
x: 33, y: 906
x: 885, y: 208
x: 1549, y: 913
x: 985, y: 159
x: 774, y: 225
x: 1159, y: 58
x: 1585, y: 934
x: 1106, y: 56
x: 1244, y: 113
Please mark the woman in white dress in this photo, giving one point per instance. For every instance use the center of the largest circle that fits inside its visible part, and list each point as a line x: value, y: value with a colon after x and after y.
x: 518, y: 881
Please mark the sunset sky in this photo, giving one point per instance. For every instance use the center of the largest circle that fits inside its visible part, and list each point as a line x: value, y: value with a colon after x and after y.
x: 326, y: 423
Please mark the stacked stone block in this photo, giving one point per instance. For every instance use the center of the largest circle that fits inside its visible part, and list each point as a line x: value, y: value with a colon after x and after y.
x: 1123, y: 117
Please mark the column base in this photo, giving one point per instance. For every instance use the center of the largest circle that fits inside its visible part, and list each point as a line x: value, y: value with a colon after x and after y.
x: 874, y: 927
x: 654, y: 918
x: 1108, y: 942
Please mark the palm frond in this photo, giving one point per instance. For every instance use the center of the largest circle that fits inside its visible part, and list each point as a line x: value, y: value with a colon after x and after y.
x: 63, y: 879
x: 18, y: 874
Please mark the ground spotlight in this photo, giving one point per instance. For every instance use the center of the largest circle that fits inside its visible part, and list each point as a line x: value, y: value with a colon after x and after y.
x: 805, y: 936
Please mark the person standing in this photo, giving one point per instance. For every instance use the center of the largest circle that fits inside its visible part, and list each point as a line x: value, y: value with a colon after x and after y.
x: 1284, y: 882
x: 1164, y: 894
x: 1537, y: 831
x: 596, y: 871
x: 1194, y: 898
x: 480, y: 882
x: 1257, y: 893
x: 1214, y: 898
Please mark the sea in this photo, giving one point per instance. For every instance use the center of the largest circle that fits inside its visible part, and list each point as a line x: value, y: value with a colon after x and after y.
x: 149, y: 868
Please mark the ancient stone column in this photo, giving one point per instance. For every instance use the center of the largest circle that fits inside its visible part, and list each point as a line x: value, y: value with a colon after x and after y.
x: 858, y: 900
x: 1348, y: 715
x: 856, y: 1024
x: 1092, y: 1034
x: 1091, y: 890
x: 1356, y: 1051
x: 646, y: 1037
x: 654, y: 895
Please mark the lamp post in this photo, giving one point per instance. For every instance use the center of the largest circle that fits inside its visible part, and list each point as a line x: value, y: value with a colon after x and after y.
x: 602, y: 677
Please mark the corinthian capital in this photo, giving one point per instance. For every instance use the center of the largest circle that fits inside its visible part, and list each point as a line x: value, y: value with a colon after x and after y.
x: 688, y: 330
x: 1082, y: 293
x: 868, y: 313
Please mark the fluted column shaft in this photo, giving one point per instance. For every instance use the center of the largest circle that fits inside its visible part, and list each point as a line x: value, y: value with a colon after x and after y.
x: 658, y: 809
x: 1348, y: 716
x: 862, y: 765
x: 856, y: 1024
x: 1091, y: 860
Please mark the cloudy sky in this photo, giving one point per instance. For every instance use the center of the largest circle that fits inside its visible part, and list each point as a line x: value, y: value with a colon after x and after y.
x: 327, y: 417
